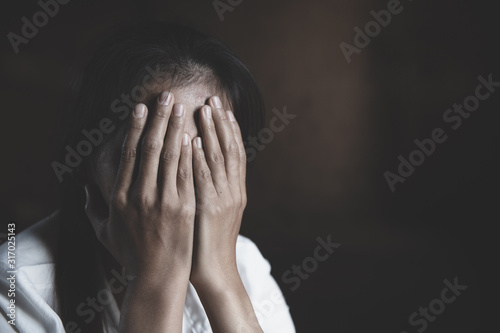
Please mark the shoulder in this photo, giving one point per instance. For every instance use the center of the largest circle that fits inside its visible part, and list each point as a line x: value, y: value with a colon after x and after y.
x: 254, y: 269
x: 248, y: 255
x: 36, y: 245
x: 27, y: 280
x: 267, y: 299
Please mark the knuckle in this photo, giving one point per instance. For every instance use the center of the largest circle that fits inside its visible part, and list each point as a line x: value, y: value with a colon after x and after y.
x: 200, y: 156
x: 210, y: 128
x: 218, y: 210
x: 170, y: 155
x: 167, y: 206
x: 119, y: 200
x: 222, y: 115
x: 151, y: 146
x: 186, y: 211
x: 236, y: 198
x: 217, y: 158
x: 142, y: 201
x: 184, y: 173
x: 233, y: 149
x: 205, y: 173
x: 228, y: 204
x: 128, y: 153
x: 243, y: 156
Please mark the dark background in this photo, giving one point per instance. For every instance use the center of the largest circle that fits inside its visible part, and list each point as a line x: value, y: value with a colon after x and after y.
x: 323, y: 174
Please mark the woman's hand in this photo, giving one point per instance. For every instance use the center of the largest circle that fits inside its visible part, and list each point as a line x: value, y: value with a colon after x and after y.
x: 150, y: 226
x: 220, y: 169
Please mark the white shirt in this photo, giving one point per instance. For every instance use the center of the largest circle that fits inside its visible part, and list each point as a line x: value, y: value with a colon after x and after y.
x: 36, y: 306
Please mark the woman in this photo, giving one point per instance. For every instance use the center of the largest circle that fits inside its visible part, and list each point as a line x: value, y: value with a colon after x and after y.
x: 152, y: 177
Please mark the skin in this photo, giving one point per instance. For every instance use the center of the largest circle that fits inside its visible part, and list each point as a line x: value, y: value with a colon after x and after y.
x: 144, y: 210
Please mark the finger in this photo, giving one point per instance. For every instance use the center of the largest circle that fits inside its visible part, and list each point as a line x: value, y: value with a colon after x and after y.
x: 185, y: 184
x: 242, y: 154
x: 213, y: 154
x: 172, y: 150
x: 202, y: 173
x: 227, y: 143
x: 129, y: 149
x: 152, y: 143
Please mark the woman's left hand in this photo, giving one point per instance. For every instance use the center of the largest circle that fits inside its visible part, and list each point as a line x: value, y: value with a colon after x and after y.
x: 219, y: 172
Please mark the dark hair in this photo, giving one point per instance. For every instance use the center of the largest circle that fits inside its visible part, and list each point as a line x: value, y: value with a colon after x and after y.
x: 184, y: 56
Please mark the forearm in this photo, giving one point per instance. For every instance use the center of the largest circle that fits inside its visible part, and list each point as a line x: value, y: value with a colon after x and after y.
x: 227, y: 305
x: 151, y: 306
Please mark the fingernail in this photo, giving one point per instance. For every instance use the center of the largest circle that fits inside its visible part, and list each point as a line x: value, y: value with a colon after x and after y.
x: 178, y: 110
x: 207, y: 110
x: 185, y: 139
x: 165, y: 98
x: 231, y: 116
x: 139, y: 110
x: 217, y: 102
x: 197, y: 142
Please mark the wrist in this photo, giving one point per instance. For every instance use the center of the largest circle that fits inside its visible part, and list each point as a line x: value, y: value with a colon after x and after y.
x: 227, y: 304
x: 158, y: 278
x: 217, y: 280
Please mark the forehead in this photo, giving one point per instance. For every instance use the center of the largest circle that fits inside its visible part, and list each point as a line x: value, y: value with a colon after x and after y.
x: 192, y: 96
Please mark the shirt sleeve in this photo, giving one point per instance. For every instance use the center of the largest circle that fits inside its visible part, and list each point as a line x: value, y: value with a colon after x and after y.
x: 266, y: 297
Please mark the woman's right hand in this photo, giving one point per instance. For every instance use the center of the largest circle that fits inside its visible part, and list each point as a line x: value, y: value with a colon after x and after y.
x: 150, y: 225
x: 152, y: 208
